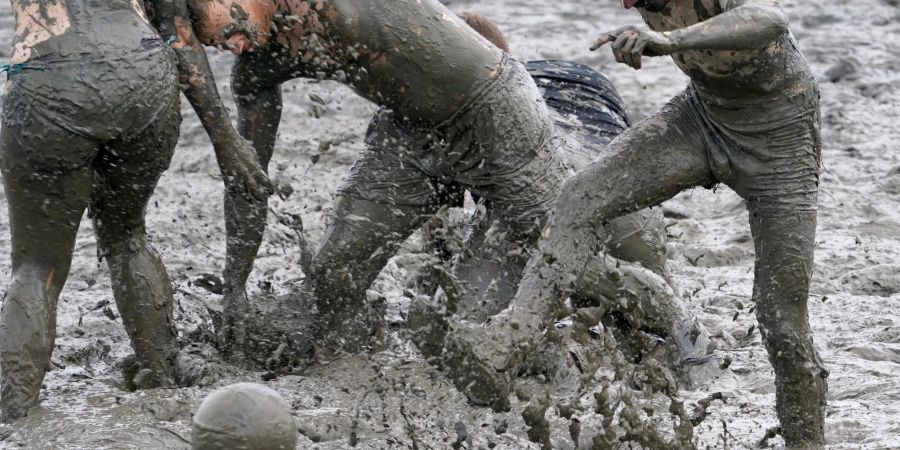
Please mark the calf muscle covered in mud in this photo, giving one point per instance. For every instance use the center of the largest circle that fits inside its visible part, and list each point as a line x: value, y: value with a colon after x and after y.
x: 90, y: 120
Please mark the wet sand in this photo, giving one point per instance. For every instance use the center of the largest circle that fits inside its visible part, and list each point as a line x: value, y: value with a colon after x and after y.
x: 394, y: 399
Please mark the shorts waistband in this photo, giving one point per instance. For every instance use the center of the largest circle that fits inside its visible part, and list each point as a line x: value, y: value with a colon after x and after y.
x: 149, y: 47
x: 15, y: 69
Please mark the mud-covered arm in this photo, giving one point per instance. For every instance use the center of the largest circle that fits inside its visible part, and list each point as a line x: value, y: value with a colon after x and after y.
x: 745, y: 24
x: 237, y: 159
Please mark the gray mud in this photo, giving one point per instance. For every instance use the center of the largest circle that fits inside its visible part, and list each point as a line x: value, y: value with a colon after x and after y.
x: 394, y: 399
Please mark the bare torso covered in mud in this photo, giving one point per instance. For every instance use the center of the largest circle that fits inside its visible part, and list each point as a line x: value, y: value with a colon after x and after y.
x: 338, y: 39
x: 744, y: 76
x: 72, y: 27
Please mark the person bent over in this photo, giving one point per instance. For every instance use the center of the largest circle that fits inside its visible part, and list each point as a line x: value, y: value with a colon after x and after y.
x: 458, y: 114
x: 750, y: 119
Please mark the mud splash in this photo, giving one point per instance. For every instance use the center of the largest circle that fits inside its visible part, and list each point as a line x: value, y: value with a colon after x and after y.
x: 83, y: 404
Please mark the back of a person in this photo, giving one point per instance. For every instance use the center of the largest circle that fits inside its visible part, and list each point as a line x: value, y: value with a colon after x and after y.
x: 97, y: 67
x: 78, y: 29
x: 435, y: 66
x: 90, y: 117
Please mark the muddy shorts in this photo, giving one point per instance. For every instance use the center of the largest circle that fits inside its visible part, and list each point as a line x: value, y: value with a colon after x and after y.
x: 501, y: 145
x: 769, y: 153
x: 59, y: 113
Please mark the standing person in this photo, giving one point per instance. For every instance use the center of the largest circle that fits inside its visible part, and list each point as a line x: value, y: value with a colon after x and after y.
x: 749, y: 119
x: 90, y: 119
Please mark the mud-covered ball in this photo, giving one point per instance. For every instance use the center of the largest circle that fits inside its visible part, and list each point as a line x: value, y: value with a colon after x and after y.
x: 245, y: 416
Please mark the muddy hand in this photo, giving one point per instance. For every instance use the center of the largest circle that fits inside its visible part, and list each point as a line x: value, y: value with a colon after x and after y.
x: 242, y: 172
x: 630, y: 44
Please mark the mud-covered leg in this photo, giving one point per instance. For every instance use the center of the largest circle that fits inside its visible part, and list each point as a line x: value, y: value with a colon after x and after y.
x: 489, y: 270
x: 784, y: 262
x: 648, y: 302
x: 645, y: 165
x: 126, y: 176
x: 44, y: 213
x: 245, y: 218
x: 360, y: 239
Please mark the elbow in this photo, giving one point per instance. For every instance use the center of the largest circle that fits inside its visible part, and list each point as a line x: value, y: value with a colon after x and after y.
x: 184, y: 34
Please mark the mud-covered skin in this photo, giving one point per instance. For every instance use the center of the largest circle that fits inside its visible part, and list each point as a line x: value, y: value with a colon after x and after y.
x: 398, y: 184
x: 237, y: 160
x: 346, y: 41
x: 749, y: 119
x: 94, y: 123
x: 407, y: 175
x: 242, y: 172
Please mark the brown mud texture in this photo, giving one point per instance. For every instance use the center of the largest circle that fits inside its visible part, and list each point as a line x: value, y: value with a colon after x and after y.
x: 395, y: 399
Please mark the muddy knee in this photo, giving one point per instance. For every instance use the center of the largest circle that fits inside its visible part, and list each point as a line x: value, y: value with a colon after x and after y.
x: 570, y: 204
x: 792, y: 352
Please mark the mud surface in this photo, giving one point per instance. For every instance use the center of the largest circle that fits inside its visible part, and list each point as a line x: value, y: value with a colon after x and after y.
x: 394, y: 399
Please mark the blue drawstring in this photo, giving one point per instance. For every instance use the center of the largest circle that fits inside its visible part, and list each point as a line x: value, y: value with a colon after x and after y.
x: 15, y: 69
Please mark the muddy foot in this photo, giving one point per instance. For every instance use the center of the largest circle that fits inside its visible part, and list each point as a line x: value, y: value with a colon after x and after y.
x: 279, y: 333
x: 348, y: 330
x: 136, y: 376
x: 692, y: 341
x: 427, y: 321
x: 691, y: 355
x: 479, y: 365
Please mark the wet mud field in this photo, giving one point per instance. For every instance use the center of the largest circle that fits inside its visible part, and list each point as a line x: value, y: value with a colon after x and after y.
x: 393, y: 399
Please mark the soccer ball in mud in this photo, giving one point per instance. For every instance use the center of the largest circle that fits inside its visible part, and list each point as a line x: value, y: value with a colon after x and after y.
x: 246, y: 416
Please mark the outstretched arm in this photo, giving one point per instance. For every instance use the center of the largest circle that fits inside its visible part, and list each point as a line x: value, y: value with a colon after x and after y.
x: 745, y: 24
x: 237, y: 160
